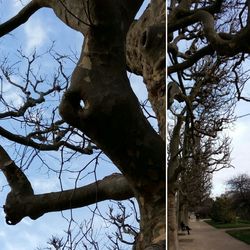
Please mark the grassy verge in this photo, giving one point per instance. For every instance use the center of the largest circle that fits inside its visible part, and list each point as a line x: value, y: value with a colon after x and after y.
x: 243, y: 235
x: 237, y: 224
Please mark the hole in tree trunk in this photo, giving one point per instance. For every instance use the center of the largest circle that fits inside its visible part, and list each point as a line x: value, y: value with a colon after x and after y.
x: 82, y: 104
x: 144, y: 39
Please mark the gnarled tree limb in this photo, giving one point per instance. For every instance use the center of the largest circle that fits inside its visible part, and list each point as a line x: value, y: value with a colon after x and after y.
x: 22, y: 195
x: 42, y: 146
x: 143, y: 59
x: 21, y: 17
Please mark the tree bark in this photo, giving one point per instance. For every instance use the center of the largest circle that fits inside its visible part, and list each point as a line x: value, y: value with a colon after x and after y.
x: 172, y: 225
x: 145, y: 54
x: 174, y: 168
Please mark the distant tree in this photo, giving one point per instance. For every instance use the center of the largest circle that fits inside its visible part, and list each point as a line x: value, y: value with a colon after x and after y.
x: 196, y: 147
x: 195, y: 186
x: 222, y: 210
x: 204, y: 208
x: 94, y: 111
x: 239, y: 191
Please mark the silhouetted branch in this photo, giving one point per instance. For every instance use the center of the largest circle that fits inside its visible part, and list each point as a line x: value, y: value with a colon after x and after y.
x: 21, y: 17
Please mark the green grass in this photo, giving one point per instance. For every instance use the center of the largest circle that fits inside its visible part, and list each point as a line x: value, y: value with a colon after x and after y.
x: 238, y: 224
x: 243, y: 235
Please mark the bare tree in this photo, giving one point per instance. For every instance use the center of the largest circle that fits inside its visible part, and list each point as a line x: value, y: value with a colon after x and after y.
x: 239, y: 193
x: 203, y: 34
x: 195, y: 140
x: 98, y: 112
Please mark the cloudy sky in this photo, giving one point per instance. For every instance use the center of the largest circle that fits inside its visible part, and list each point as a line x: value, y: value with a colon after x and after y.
x: 240, y: 147
x: 38, y: 33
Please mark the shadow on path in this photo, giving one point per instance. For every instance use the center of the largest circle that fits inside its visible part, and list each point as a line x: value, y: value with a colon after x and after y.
x: 206, y: 237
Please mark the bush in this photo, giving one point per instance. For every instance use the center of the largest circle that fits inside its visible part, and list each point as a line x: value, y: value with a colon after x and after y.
x: 222, y: 211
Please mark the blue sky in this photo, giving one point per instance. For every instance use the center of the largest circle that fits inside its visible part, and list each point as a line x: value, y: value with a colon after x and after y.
x: 38, y: 33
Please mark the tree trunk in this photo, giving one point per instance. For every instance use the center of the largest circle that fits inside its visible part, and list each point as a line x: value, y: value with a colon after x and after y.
x: 111, y: 116
x: 172, y: 225
x: 177, y: 207
x: 153, y: 227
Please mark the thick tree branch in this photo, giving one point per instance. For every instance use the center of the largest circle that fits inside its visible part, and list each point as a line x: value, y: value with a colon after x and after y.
x: 132, y: 7
x: 174, y: 151
x: 181, y: 17
x: 226, y: 44
x: 21, y: 17
x: 111, y: 116
x: 113, y: 187
x: 5, y: 159
x: 41, y: 146
x: 18, y: 182
x: 208, y: 50
x: 22, y: 196
x: 143, y: 59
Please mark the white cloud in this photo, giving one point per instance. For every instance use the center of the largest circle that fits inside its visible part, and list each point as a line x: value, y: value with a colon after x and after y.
x: 11, y: 94
x: 14, y: 99
x: 240, y: 145
x: 36, y: 35
x: 34, y: 29
x: 17, y: 5
x: 45, y: 185
x: 2, y: 234
x: 240, y: 156
x: 238, y: 132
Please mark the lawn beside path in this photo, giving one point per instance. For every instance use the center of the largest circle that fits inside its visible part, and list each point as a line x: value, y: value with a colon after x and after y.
x: 205, y: 237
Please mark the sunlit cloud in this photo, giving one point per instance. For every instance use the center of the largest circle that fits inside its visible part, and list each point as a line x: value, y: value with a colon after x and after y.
x: 36, y: 35
x: 14, y: 99
x: 45, y: 185
x: 17, y: 5
x: 240, y: 156
x: 2, y: 234
x: 238, y: 131
x: 12, y: 95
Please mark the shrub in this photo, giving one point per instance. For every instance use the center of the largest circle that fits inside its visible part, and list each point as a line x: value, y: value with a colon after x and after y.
x: 222, y: 211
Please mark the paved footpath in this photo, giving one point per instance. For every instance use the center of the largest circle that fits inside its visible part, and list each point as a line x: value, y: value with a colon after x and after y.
x: 205, y: 237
